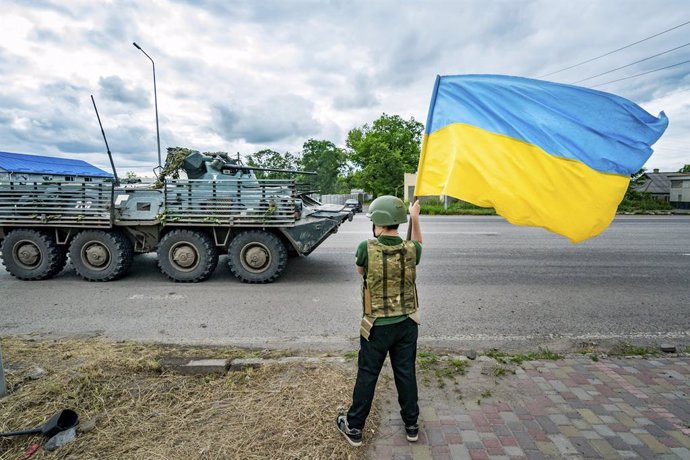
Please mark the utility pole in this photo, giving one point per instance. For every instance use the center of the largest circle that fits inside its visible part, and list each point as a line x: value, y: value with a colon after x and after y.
x: 155, y: 102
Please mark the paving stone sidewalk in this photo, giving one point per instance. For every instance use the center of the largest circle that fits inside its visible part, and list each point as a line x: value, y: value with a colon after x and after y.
x: 569, y: 408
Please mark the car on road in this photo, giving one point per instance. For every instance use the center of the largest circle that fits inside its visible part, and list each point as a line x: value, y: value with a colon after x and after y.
x: 354, y: 205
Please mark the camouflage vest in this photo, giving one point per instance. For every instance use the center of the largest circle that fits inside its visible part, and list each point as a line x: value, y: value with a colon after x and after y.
x: 389, y: 289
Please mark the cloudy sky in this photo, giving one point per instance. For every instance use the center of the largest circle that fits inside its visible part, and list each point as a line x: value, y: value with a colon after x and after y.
x: 240, y: 76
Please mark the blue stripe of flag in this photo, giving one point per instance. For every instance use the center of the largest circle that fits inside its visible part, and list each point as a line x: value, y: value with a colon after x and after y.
x: 606, y: 132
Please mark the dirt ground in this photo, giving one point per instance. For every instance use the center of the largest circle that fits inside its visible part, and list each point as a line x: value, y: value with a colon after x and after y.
x: 131, y: 407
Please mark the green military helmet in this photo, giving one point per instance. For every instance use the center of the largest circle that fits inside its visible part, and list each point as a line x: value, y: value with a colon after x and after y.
x: 387, y: 210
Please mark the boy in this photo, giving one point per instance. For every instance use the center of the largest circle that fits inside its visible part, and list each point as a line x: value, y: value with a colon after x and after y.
x: 389, y: 325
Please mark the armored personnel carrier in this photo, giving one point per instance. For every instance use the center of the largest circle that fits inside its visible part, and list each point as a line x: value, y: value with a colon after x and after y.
x: 221, y: 207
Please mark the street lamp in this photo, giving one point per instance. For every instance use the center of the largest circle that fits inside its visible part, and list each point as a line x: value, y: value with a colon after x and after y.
x: 155, y: 102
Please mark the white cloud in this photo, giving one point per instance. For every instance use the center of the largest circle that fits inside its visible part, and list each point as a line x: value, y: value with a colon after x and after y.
x: 673, y: 149
x: 246, y: 75
x: 115, y: 89
x: 260, y: 122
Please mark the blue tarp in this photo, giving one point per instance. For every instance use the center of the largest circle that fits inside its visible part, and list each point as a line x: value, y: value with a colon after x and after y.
x: 36, y: 164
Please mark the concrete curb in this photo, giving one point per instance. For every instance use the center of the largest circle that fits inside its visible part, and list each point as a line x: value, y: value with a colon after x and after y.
x: 222, y: 366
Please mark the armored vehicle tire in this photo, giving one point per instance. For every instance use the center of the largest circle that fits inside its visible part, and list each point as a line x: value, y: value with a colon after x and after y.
x: 257, y: 256
x: 99, y: 255
x: 187, y: 256
x: 32, y: 255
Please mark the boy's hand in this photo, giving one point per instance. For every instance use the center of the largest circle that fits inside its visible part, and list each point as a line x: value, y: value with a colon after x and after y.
x: 414, y: 209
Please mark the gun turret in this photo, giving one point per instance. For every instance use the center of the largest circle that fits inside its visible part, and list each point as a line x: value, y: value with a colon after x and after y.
x: 209, y: 165
x: 196, y: 165
x: 231, y: 168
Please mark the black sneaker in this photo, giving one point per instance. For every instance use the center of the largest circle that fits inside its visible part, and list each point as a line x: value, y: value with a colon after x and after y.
x: 353, y: 435
x: 412, y: 432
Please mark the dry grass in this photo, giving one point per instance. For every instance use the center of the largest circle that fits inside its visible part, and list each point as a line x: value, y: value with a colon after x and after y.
x: 143, y: 412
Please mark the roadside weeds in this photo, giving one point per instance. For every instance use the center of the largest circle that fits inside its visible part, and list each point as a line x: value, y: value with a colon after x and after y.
x: 130, y: 407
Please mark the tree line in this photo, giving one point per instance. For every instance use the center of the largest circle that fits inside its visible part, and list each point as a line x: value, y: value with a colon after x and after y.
x: 375, y: 158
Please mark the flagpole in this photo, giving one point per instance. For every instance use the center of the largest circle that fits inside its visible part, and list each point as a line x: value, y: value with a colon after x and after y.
x: 409, y: 224
x: 422, y: 152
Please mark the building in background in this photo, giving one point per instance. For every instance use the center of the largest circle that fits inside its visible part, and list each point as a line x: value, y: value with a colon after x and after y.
x: 668, y: 187
x: 680, y: 191
x: 18, y: 167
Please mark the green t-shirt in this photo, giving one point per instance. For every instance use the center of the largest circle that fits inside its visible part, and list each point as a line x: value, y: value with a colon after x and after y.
x: 362, y: 259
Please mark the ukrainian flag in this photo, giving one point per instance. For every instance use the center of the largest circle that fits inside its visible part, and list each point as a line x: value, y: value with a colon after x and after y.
x: 542, y: 154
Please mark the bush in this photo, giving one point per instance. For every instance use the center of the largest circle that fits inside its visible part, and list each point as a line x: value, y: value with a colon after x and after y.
x: 455, y: 208
x: 641, y: 202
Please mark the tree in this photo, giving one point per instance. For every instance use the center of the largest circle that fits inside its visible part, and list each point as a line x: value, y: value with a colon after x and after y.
x: 383, y: 152
x: 131, y: 178
x: 327, y: 160
x: 271, y: 159
x: 684, y: 169
x: 636, y: 179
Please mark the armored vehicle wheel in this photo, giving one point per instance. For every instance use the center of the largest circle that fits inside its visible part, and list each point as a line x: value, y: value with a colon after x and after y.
x: 187, y: 256
x: 32, y: 255
x: 257, y: 256
x: 99, y: 255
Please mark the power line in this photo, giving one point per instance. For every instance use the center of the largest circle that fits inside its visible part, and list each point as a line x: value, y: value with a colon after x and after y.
x: 640, y: 74
x: 614, y: 51
x: 633, y: 63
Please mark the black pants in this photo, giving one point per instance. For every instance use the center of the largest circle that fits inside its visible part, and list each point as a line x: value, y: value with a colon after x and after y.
x: 400, y: 340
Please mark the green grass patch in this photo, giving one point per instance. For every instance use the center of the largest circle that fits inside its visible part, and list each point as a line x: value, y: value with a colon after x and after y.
x: 430, y: 363
x: 458, y: 366
x: 627, y: 349
x: 456, y: 208
x: 543, y: 354
x: 351, y: 355
x: 426, y: 359
x: 450, y: 369
x: 500, y: 356
x: 502, y: 371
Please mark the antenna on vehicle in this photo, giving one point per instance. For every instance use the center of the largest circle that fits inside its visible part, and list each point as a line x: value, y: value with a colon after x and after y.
x: 110, y: 155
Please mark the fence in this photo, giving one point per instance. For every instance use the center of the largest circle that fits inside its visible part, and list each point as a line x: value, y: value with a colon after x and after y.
x: 58, y: 204
x: 265, y: 202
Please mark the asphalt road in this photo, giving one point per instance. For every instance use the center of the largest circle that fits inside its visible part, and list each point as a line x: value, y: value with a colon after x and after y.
x: 482, y: 283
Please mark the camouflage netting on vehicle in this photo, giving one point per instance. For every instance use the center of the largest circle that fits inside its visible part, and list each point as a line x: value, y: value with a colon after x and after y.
x: 175, y: 160
x: 173, y: 164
